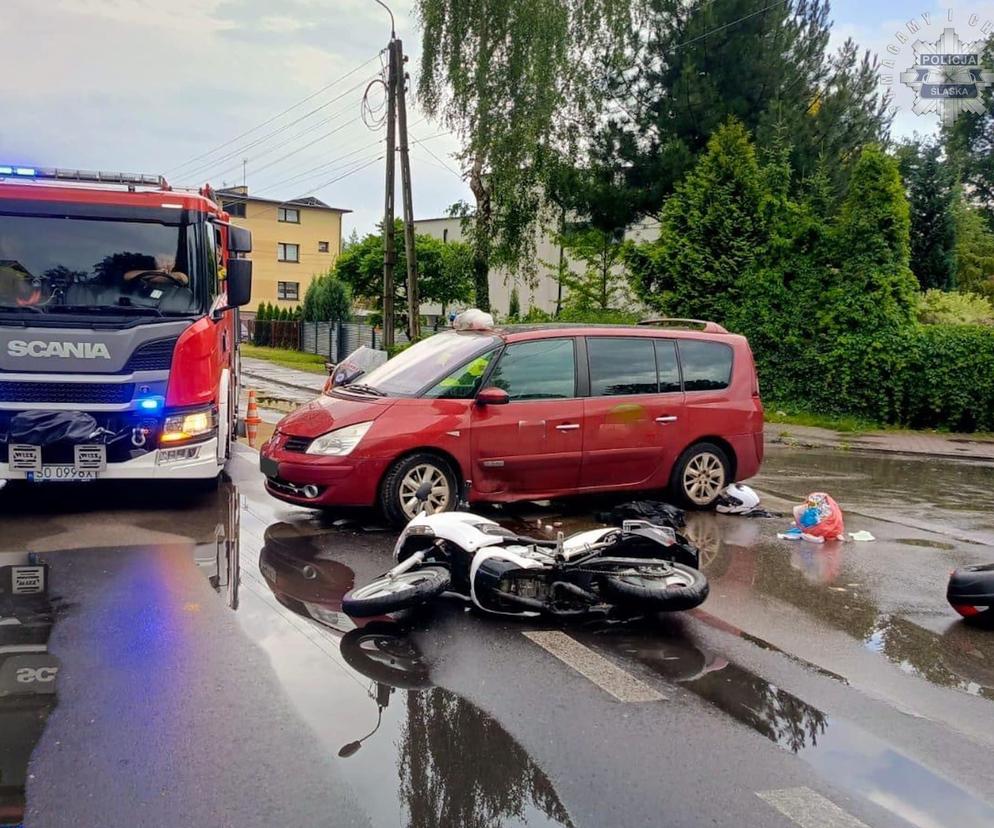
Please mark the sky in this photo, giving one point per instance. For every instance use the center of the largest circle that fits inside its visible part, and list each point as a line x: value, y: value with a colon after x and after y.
x: 187, y: 87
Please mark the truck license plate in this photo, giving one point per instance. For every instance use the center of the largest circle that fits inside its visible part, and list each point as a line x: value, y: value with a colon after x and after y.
x: 61, y: 474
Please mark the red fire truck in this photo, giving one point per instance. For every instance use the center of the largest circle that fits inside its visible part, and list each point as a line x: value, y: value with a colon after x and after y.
x: 118, y: 327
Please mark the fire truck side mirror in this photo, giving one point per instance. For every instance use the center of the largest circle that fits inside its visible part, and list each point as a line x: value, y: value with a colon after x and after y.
x: 239, y: 239
x: 239, y: 282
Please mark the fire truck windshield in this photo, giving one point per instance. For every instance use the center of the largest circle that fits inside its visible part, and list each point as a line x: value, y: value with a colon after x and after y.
x: 59, y: 265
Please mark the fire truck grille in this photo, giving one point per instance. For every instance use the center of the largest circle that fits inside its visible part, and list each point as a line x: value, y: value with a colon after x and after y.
x: 77, y: 393
x: 152, y: 356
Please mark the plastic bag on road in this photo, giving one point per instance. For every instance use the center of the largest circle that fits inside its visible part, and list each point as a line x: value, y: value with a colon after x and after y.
x: 817, y: 520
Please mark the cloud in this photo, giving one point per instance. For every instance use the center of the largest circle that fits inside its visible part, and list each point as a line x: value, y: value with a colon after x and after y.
x: 144, y: 85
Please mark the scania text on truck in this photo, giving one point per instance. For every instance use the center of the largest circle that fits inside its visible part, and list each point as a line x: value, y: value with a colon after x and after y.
x: 118, y: 327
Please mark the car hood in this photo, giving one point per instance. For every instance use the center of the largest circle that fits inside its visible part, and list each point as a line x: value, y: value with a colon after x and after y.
x: 328, y: 412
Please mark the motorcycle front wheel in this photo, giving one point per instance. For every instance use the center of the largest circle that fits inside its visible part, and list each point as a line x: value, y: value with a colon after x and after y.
x: 671, y: 588
x: 386, y: 594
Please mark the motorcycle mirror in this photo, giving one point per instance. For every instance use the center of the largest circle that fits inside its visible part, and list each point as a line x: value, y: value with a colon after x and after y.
x: 349, y: 750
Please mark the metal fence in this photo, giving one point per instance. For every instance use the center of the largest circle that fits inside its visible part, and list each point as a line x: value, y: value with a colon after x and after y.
x: 276, y: 334
x: 335, y: 340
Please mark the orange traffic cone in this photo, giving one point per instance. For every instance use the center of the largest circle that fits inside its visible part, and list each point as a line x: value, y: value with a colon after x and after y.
x: 252, y: 420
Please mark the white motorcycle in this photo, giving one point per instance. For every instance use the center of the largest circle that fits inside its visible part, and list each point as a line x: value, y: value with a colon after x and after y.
x: 636, y: 569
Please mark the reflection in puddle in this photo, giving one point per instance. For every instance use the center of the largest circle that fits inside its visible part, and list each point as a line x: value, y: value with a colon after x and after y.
x: 844, y: 754
x: 962, y: 658
x: 302, y: 578
x: 27, y: 674
x: 456, y: 765
x: 218, y: 557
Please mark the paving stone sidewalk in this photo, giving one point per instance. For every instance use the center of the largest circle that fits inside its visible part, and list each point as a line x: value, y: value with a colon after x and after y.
x: 893, y: 442
x: 275, y: 381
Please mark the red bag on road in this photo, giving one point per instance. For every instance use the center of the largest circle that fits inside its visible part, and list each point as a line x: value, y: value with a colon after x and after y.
x: 829, y: 525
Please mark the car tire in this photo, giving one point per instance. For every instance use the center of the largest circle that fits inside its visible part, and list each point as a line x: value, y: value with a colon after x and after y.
x: 701, y: 474
x: 677, y: 588
x: 396, y: 491
x: 386, y: 594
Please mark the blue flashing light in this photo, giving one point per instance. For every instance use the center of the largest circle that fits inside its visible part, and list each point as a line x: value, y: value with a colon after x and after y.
x: 25, y: 170
x: 4, y: 170
x: 150, y: 404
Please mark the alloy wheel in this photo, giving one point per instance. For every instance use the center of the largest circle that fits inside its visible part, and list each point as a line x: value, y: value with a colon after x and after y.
x: 703, y: 478
x: 439, y: 496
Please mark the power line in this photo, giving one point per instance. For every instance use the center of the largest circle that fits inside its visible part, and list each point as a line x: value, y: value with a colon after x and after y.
x: 282, y: 158
x: 729, y: 24
x: 421, y: 144
x: 279, y: 115
x: 240, y: 150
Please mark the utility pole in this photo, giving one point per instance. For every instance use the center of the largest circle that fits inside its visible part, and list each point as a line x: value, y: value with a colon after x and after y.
x: 413, y: 305
x: 389, y: 247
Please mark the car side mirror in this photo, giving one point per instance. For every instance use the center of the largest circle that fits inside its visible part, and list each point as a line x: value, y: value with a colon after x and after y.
x: 239, y: 239
x: 492, y: 396
x: 239, y: 282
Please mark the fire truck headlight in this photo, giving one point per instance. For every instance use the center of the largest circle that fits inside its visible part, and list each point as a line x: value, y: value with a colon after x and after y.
x: 179, y: 427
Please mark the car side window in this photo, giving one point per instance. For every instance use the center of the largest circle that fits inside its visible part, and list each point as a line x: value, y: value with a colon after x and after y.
x: 541, y: 370
x: 667, y: 366
x: 622, y: 365
x: 464, y: 382
x: 707, y: 366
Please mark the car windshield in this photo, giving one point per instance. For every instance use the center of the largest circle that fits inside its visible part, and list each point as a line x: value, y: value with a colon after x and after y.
x: 426, y: 363
x: 61, y: 265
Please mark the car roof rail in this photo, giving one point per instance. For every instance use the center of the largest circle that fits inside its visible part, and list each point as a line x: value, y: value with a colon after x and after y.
x: 673, y: 322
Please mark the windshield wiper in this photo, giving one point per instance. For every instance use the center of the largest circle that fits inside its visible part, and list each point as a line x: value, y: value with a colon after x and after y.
x: 31, y: 308
x: 122, y: 310
x: 362, y: 388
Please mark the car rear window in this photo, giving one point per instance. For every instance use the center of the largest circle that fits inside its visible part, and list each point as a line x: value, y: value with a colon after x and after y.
x: 621, y: 366
x: 707, y: 366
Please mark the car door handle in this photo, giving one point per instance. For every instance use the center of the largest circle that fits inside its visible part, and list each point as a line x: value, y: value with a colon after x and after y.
x: 669, y: 419
x: 568, y: 427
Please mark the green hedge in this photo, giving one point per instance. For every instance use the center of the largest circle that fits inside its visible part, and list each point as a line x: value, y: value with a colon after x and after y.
x: 933, y: 376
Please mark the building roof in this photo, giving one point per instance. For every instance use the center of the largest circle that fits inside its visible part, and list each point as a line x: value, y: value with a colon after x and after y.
x: 232, y: 194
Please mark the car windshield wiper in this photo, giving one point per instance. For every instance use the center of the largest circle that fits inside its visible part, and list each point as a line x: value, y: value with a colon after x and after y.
x: 362, y: 388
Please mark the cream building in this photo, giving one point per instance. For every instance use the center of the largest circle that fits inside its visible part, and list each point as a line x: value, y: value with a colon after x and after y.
x: 292, y: 242
x: 541, y: 292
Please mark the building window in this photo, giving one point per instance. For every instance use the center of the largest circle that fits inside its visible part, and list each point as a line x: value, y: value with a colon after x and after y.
x: 287, y: 252
x: 288, y: 214
x: 288, y: 290
x: 323, y: 247
x: 236, y: 209
x: 445, y: 234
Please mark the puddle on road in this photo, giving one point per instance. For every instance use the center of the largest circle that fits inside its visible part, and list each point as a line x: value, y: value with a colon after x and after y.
x: 842, y: 753
x: 925, y: 544
x: 28, y: 674
x: 417, y: 755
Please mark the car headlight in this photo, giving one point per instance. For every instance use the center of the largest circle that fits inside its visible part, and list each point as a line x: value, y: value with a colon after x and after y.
x: 178, y: 427
x: 339, y: 442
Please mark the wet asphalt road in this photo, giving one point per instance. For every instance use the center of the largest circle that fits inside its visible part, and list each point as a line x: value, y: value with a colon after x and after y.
x: 209, y: 678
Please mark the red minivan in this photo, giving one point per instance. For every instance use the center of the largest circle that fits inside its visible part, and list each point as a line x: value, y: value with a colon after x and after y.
x: 529, y: 413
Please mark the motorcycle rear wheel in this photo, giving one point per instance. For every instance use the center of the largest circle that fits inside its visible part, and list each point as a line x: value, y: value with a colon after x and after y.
x: 386, y: 594
x: 672, y: 588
